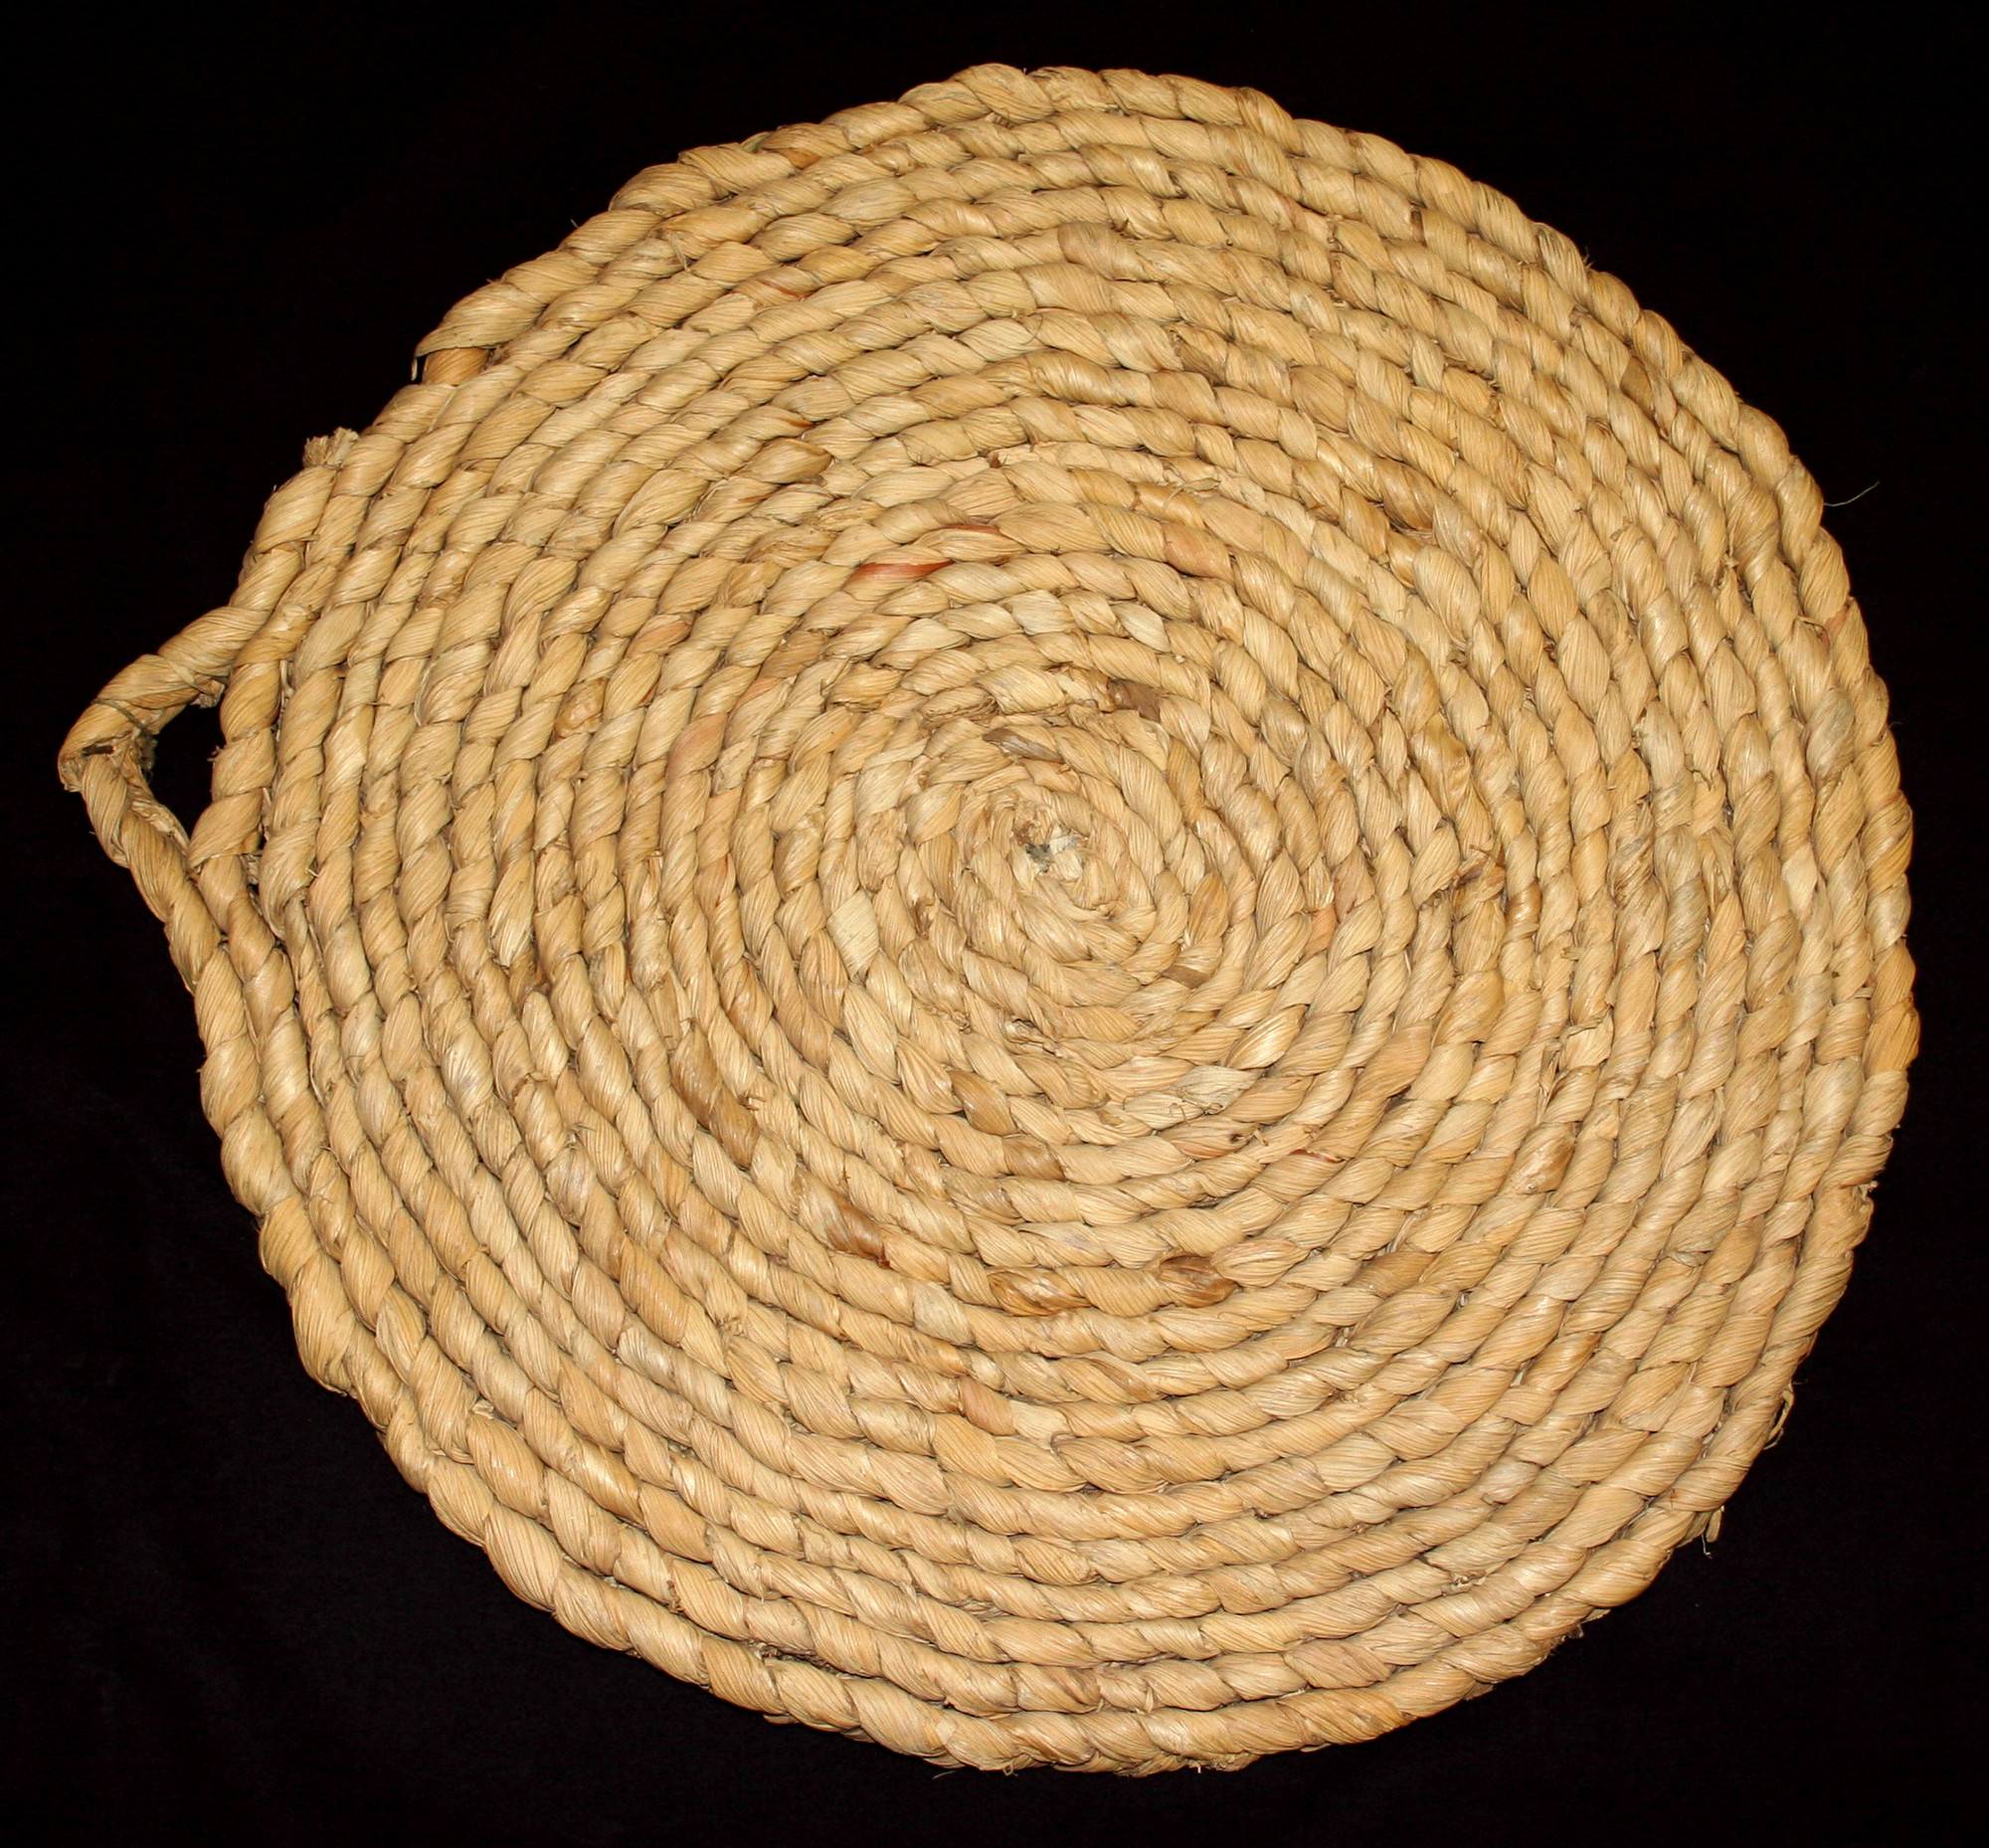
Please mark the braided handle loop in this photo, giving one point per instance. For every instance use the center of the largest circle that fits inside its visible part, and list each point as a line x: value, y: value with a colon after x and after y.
x: 107, y: 755
x: 231, y: 656
x: 121, y: 725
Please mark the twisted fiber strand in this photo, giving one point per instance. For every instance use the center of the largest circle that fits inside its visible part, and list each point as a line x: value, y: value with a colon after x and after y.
x: 1060, y: 924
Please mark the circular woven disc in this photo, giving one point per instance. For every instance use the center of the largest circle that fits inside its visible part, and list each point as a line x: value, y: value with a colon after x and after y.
x: 1060, y: 924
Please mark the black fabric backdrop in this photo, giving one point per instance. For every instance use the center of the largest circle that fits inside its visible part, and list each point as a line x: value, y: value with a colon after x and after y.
x: 226, y: 1617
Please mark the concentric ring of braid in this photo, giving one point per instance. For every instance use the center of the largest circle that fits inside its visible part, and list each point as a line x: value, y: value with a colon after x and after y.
x: 1061, y: 924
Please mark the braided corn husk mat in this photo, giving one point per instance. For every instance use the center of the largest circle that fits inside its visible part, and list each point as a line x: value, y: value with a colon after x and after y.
x: 1060, y: 924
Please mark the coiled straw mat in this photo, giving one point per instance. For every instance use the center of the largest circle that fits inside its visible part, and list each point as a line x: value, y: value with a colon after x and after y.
x: 1060, y: 924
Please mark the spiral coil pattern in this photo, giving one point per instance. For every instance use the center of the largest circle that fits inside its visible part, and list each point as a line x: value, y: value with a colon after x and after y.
x: 1061, y: 924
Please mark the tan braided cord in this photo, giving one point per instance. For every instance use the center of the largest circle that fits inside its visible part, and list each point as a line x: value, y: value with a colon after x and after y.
x: 1060, y: 924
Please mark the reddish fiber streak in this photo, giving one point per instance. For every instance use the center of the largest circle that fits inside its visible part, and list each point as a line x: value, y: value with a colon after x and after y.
x: 894, y: 570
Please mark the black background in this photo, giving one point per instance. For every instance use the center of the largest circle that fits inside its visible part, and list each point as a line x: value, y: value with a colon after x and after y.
x: 225, y: 1617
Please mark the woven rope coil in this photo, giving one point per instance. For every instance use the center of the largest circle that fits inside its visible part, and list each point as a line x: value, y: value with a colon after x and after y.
x: 1061, y: 924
